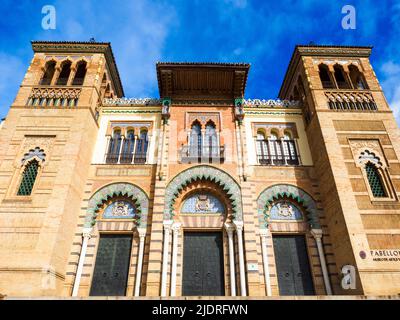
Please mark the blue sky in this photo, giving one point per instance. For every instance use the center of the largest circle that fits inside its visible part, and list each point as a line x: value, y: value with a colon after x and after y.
x: 143, y: 32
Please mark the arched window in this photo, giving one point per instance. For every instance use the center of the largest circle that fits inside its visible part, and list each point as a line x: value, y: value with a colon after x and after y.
x: 28, y: 178
x: 357, y: 78
x: 211, y: 143
x: 325, y: 77
x: 289, y: 149
x: 128, y: 147
x: 195, y: 140
x: 340, y: 77
x: 80, y: 74
x: 141, y: 147
x: 375, y: 181
x: 50, y: 68
x: 275, y: 147
x: 114, y: 147
x: 262, y: 149
x: 64, y: 74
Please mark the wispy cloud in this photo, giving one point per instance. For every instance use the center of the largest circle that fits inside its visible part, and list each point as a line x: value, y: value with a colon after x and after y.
x: 391, y: 86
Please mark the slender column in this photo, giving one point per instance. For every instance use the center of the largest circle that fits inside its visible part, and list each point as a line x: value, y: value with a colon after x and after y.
x: 239, y: 232
x: 56, y: 74
x: 71, y: 76
x: 120, y: 148
x: 229, y: 227
x: 134, y: 148
x: 264, y: 233
x: 142, y: 235
x: 86, y: 235
x: 317, y: 234
x: 167, y: 229
x: 148, y: 148
x: 175, y: 229
x: 107, y: 147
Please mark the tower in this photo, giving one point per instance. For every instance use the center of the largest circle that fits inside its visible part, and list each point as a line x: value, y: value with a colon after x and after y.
x: 354, y: 142
x: 46, y: 145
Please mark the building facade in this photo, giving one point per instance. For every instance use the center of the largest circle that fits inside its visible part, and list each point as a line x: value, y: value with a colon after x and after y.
x: 201, y: 191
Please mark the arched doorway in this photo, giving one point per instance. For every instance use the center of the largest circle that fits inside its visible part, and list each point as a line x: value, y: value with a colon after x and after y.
x: 114, y: 234
x: 203, y: 208
x: 289, y: 223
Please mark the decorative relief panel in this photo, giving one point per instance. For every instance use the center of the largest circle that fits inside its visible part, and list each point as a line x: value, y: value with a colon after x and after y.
x: 280, y: 127
x: 359, y: 147
x: 203, y: 118
x: 285, y: 210
x: 119, y: 210
x: 202, y: 204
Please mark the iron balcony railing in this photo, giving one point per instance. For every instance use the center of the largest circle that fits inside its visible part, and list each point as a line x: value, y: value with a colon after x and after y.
x: 132, y: 151
x: 126, y: 158
x: 202, y: 154
x: 277, y: 153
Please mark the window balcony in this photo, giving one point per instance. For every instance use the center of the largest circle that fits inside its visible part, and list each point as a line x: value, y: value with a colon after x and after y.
x: 277, y: 153
x: 126, y: 158
x: 205, y: 154
x: 286, y: 160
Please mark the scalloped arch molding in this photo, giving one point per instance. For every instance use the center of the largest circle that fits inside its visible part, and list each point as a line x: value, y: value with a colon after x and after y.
x: 224, y: 180
x: 273, y: 193
x: 118, y: 189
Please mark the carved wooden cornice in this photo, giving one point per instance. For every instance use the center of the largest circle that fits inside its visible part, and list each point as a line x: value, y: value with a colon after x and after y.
x: 201, y: 81
x: 84, y: 47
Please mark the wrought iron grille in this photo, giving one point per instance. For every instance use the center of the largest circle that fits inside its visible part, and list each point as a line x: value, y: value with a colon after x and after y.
x: 28, y: 178
x: 202, y: 154
x: 375, y: 181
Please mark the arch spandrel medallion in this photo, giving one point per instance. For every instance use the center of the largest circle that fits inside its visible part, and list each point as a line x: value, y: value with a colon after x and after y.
x: 202, y: 203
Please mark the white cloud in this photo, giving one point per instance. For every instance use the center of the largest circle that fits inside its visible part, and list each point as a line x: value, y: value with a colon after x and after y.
x: 391, y: 86
x: 12, y: 71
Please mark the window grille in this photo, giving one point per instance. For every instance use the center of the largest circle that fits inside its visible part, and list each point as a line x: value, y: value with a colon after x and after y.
x: 28, y: 178
x: 375, y: 181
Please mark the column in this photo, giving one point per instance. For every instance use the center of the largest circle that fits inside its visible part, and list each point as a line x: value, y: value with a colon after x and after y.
x: 56, y: 73
x: 107, y: 147
x: 175, y: 229
x: 167, y: 228
x: 148, y: 148
x: 229, y: 227
x: 120, y: 148
x: 264, y: 234
x: 86, y: 235
x: 71, y: 75
x: 239, y: 232
x: 134, y: 148
x: 142, y: 235
x: 317, y: 234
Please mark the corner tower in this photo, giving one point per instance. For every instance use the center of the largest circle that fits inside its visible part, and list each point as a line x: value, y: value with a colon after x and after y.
x: 355, y: 147
x: 46, y: 145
